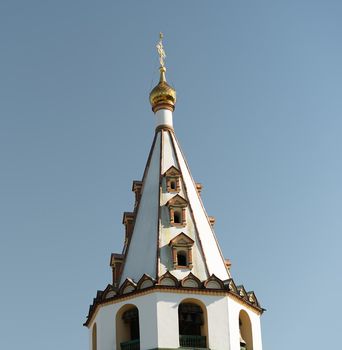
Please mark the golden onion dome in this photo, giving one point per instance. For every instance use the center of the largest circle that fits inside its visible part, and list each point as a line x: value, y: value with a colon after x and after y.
x: 163, y: 96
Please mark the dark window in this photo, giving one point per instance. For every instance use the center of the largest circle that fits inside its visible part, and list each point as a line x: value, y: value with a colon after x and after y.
x: 173, y: 184
x: 177, y: 217
x: 190, y: 319
x: 132, y: 318
x: 182, y: 259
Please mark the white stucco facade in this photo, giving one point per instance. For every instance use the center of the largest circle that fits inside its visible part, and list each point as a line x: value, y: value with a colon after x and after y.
x: 159, y: 327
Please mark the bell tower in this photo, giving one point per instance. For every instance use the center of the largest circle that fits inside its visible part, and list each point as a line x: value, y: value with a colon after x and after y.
x: 171, y: 286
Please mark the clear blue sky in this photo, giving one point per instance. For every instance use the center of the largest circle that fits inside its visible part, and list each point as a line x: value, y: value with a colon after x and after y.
x: 258, y: 117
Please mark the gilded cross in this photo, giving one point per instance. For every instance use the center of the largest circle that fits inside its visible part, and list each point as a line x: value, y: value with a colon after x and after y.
x: 160, y: 49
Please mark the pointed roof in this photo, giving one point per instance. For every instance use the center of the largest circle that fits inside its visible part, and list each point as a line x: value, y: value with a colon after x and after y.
x: 163, y: 212
x: 148, y: 251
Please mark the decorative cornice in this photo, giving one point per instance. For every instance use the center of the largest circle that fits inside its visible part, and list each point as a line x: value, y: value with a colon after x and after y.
x: 226, y: 288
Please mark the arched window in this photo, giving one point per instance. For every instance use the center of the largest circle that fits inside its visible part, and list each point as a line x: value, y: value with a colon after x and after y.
x: 192, y: 325
x: 182, y: 258
x: 94, y: 337
x: 127, y: 328
x: 245, y: 326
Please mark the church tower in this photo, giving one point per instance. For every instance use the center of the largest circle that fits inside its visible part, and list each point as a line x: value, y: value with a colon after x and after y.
x: 171, y: 287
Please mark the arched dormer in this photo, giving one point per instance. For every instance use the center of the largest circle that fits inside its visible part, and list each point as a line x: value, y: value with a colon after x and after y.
x: 181, y: 250
x: 168, y: 279
x: 109, y: 292
x: 191, y: 281
x: 172, y: 179
x: 177, y: 208
x: 145, y: 281
x: 213, y: 282
x: 127, y: 287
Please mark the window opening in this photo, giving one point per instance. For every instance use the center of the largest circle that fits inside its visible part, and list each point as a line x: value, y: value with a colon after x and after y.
x: 173, y: 184
x: 243, y: 345
x: 131, y: 317
x: 190, y: 319
x: 182, y: 259
x: 177, y: 217
x: 246, y: 337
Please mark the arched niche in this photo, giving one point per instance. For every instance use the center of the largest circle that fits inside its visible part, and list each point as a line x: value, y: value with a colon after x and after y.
x: 246, y: 336
x: 127, y: 328
x: 94, y: 337
x: 192, y: 324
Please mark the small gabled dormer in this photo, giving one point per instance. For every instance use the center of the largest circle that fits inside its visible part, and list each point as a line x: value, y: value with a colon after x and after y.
x: 177, y: 209
x: 136, y: 188
x: 128, y: 221
x: 116, y: 261
x: 172, y: 179
x: 181, y: 249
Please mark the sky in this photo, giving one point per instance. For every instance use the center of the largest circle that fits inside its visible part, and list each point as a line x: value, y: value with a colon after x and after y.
x: 259, y: 119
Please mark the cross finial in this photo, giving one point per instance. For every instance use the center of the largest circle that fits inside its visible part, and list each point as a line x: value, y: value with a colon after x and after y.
x: 161, y: 52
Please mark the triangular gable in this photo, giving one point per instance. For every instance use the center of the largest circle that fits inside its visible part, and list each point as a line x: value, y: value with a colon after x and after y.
x: 191, y: 281
x: 182, y: 240
x: 128, y: 286
x: 168, y: 279
x: 242, y: 292
x: 213, y: 282
x: 145, y: 282
x: 109, y: 292
x: 252, y: 298
x: 177, y: 201
x: 172, y: 171
x: 232, y: 286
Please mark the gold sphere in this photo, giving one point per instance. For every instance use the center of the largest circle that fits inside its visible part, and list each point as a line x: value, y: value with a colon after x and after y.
x: 163, y: 96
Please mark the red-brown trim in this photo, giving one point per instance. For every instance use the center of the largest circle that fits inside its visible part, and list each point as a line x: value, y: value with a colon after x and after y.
x: 178, y: 289
x: 164, y: 127
x: 163, y: 105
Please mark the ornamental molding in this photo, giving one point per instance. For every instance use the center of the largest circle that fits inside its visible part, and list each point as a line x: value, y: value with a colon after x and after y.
x: 188, y: 285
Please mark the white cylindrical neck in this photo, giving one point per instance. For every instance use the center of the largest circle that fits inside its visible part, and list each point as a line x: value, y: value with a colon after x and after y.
x: 164, y: 118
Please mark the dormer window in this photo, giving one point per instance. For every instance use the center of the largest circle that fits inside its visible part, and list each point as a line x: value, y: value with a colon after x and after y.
x: 172, y: 176
x: 177, y: 209
x: 181, y: 249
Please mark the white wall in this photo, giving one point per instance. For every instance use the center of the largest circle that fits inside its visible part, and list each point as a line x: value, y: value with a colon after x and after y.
x: 158, y: 319
x: 106, y: 318
x: 234, y: 309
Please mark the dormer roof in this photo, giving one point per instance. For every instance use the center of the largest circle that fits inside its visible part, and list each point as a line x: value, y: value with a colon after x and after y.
x: 177, y: 201
x: 182, y: 239
x: 172, y: 171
